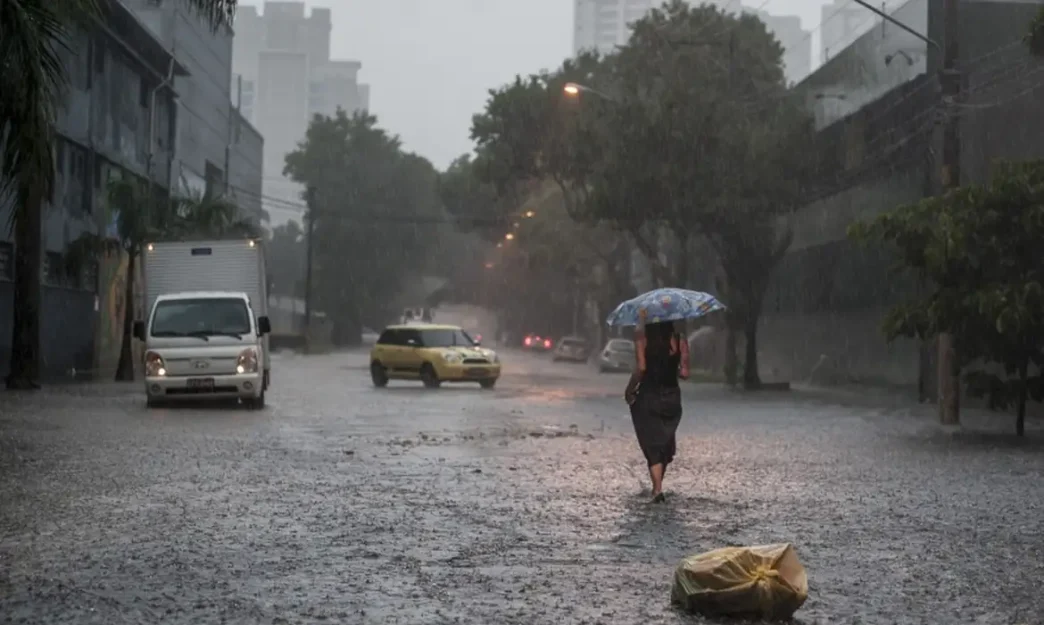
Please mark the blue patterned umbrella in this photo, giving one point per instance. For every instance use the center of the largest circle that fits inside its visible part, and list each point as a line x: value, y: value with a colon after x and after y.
x: 665, y: 305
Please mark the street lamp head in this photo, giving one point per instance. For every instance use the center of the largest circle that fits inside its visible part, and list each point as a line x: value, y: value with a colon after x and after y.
x: 572, y: 88
x: 509, y: 236
x: 530, y: 214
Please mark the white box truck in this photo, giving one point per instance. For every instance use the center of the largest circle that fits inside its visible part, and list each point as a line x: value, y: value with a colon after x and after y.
x: 206, y: 330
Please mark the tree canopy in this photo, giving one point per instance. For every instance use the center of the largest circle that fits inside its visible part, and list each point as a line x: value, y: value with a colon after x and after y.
x: 686, y: 136
x: 977, y: 248
x: 1035, y: 36
x: 377, y: 217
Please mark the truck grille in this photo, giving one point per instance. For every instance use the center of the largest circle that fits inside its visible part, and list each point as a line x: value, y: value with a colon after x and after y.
x: 476, y: 361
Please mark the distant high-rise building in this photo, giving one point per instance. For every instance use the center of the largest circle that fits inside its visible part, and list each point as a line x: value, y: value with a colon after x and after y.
x: 796, y: 42
x: 604, y: 24
x: 841, y: 21
x: 282, y: 58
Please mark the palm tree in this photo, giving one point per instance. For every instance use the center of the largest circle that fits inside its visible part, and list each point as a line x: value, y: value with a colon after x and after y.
x: 32, y: 81
x: 141, y: 217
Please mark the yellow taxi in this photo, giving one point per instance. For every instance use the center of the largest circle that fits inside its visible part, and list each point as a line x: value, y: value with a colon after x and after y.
x: 432, y: 354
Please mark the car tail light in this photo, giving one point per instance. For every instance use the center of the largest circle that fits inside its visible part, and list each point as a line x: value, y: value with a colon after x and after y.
x: 528, y: 341
x: 547, y: 343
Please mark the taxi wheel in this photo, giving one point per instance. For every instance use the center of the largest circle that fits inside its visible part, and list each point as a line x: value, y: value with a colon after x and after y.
x: 429, y: 377
x: 378, y: 375
x: 488, y: 383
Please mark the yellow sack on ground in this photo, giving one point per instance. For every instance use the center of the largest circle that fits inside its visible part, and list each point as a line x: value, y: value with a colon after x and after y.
x: 766, y: 582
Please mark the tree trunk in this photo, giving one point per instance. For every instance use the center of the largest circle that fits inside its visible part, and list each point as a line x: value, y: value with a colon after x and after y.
x: 1020, y: 418
x: 125, y: 366
x: 949, y: 381
x: 751, y: 379
x: 731, y: 362
x: 24, y: 370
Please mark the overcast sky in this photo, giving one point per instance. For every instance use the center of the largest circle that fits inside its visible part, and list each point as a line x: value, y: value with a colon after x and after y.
x: 431, y: 62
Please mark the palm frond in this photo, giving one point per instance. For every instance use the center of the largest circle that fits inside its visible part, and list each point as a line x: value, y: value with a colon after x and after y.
x: 31, y: 81
x: 217, y: 13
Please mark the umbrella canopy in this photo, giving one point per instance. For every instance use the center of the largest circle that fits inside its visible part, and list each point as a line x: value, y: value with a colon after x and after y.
x: 665, y: 305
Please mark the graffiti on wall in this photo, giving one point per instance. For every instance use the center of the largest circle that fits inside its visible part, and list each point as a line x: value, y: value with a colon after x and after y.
x: 112, y: 284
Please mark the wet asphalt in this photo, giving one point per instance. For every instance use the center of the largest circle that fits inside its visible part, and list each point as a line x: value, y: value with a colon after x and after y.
x: 340, y: 503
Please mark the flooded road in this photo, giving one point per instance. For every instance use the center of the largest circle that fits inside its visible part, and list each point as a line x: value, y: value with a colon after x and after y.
x: 340, y: 503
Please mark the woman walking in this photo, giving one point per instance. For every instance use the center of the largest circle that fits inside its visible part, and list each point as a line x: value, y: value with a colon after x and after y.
x: 661, y: 358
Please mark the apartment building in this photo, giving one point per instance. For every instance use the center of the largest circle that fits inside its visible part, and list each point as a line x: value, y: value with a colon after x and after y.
x: 284, y: 75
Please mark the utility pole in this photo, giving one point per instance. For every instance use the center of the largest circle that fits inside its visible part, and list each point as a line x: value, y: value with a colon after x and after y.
x: 310, y: 216
x: 949, y: 386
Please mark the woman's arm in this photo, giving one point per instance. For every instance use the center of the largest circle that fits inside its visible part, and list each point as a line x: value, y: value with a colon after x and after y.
x: 639, y: 359
x: 683, y: 366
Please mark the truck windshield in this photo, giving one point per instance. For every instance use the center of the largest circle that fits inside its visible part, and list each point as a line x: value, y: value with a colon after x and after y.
x: 201, y: 317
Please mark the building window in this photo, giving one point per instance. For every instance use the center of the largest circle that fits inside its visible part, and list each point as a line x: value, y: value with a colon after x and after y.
x: 214, y: 180
x: 143, y: 93
x: 53, y: 269
x: 6, y: 261
x: 89, y: 276
x: 73, y: 169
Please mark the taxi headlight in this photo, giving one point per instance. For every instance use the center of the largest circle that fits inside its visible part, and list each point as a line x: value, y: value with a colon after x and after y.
x: 154, y: 365
x: 451, y: 357
x: 247, y: 361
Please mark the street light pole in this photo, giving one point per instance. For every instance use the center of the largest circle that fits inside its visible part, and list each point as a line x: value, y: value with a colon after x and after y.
x: 310, y: 216
x: 948, y: 371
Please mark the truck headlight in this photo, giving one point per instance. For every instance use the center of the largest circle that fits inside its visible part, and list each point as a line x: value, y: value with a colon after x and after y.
x: 247, y: 361
x: 154, y: 365
x: 451, y: 357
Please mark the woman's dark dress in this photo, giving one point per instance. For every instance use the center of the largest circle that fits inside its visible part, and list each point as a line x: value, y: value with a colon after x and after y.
x: 657, y: 410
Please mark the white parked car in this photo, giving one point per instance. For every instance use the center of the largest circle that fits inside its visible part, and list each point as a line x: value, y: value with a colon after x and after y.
x: 617, y: 355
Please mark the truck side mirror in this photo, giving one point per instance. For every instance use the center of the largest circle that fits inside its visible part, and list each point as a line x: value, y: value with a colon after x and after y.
x: 139, y: 330
x: 264, y: 326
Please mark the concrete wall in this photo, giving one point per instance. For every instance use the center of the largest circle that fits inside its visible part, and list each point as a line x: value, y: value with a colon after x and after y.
x: 828, y: 297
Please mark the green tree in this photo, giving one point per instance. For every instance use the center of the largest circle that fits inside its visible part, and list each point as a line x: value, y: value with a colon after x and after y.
x: 532, y: 134
x: 377, y: 215
x: 285, y: 252
x: 704, y: 146
x: 32, y: 81
x: 978, y: 249
x: 1035, y: 36
x: 141, y: 217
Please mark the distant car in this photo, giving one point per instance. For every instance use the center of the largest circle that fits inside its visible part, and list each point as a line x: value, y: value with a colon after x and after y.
x: 572, y: 349
x: 369, y: 337
x: 538, y: 343
x: 617, y: 355
x: 432, y: 354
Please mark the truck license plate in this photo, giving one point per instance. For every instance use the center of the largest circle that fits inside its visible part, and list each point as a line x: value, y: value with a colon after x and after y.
x: 201, y: 383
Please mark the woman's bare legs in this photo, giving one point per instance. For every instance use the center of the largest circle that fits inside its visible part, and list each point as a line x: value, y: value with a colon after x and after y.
x: 656, y: 472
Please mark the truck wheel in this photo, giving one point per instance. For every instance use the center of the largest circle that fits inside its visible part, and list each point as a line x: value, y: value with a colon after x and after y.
x: 255, y: 403
x: 153, y: 402
x: 378, y: 375
x: 429, y: 377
